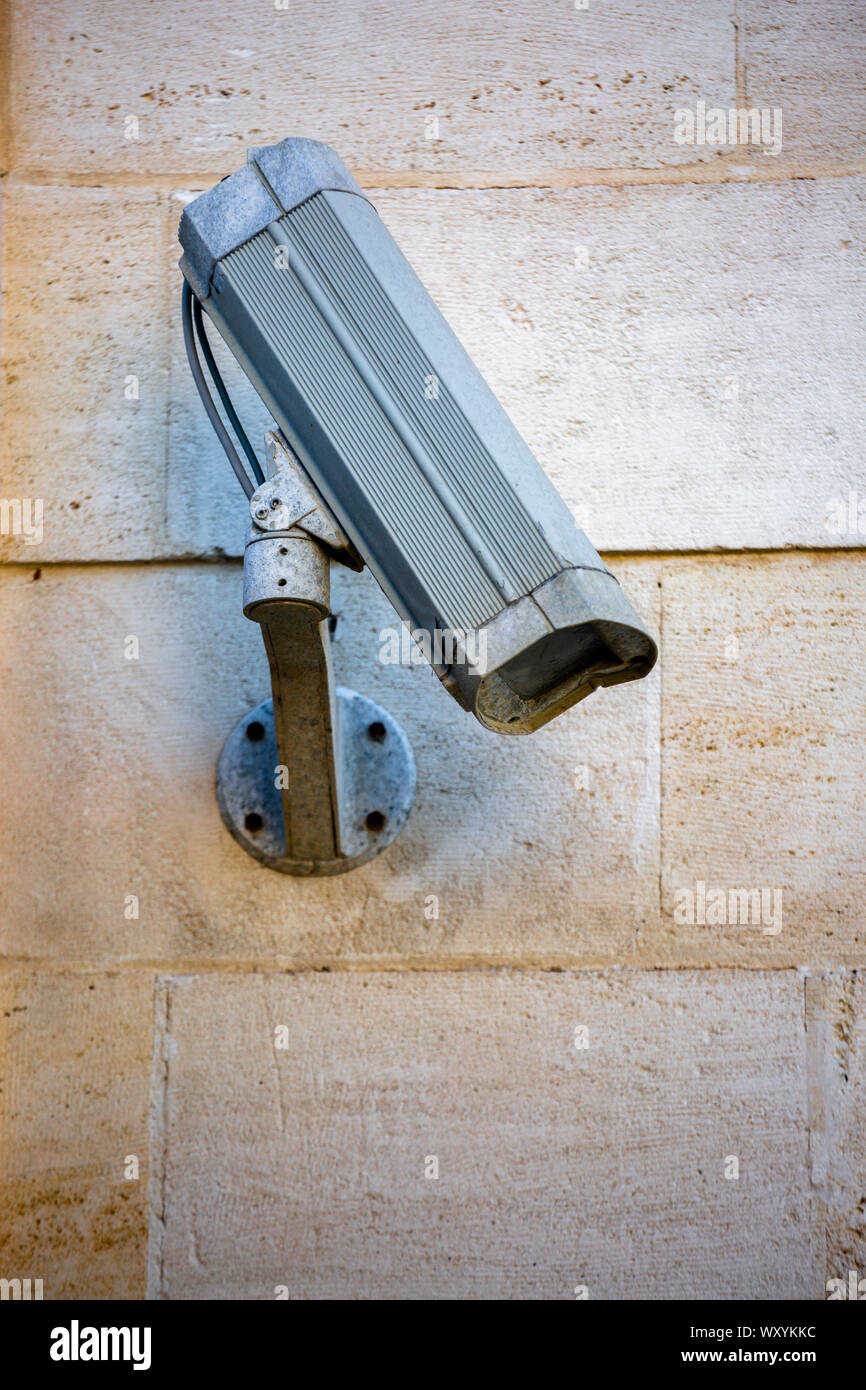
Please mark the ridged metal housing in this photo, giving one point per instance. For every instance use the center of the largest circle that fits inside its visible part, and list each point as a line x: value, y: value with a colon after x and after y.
x: 404, y: 441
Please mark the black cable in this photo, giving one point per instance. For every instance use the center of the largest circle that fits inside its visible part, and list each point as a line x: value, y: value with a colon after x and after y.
x: 206, y: 398
x: 198, y: 319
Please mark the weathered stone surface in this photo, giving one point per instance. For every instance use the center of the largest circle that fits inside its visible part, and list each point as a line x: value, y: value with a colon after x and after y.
x: 84, y: 372
x: 836, y: 1031
x: 5, y: 45
x: 640, y: 381
x: 686, y: 359
x: 74, y: 1111
x: 808, y: 58
x: 644, y: 382
x: 517, y: 88
x: 304, y: 1166
x: 539, y: 849
x: 763, y: 769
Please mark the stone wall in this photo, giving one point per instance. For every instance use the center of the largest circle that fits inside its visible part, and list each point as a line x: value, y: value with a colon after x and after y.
x: 508, y: 1058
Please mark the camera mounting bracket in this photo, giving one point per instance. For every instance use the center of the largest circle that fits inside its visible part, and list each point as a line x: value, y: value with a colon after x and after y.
x: 318, y: 779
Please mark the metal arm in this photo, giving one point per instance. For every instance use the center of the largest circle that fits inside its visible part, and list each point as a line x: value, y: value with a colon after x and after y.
x: 318, y: 779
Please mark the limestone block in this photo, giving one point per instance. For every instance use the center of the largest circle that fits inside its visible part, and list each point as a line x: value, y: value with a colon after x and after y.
x: 74, y: 1131
x: 83, y: 441
x: 120, y: 685
x: 301, y: 1113
x: 762, y: 759
x: 514, y: 88
x: 807, y: 59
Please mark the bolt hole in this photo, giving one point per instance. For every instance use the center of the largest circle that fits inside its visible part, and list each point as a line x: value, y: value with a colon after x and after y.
x: 377, y: 732
x: 281, y: 583
x: 284, y: 550
x: 253, y: 822
x: 255, y: 731
x: 375, y: 821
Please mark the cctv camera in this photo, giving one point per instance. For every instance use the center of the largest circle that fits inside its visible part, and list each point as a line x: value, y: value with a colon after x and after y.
x: 408, y: 450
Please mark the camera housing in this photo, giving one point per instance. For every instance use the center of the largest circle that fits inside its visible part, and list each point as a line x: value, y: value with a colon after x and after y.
x: 405, y: 445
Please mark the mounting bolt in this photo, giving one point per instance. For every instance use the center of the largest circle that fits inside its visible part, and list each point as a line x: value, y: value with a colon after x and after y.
x: 275, y: 502
x: 262, y: 513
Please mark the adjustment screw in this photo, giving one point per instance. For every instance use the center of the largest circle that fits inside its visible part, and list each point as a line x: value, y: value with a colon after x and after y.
x: 275, y: 502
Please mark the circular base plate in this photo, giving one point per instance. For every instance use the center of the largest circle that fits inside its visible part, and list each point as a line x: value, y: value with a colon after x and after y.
x: 376, y: 791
